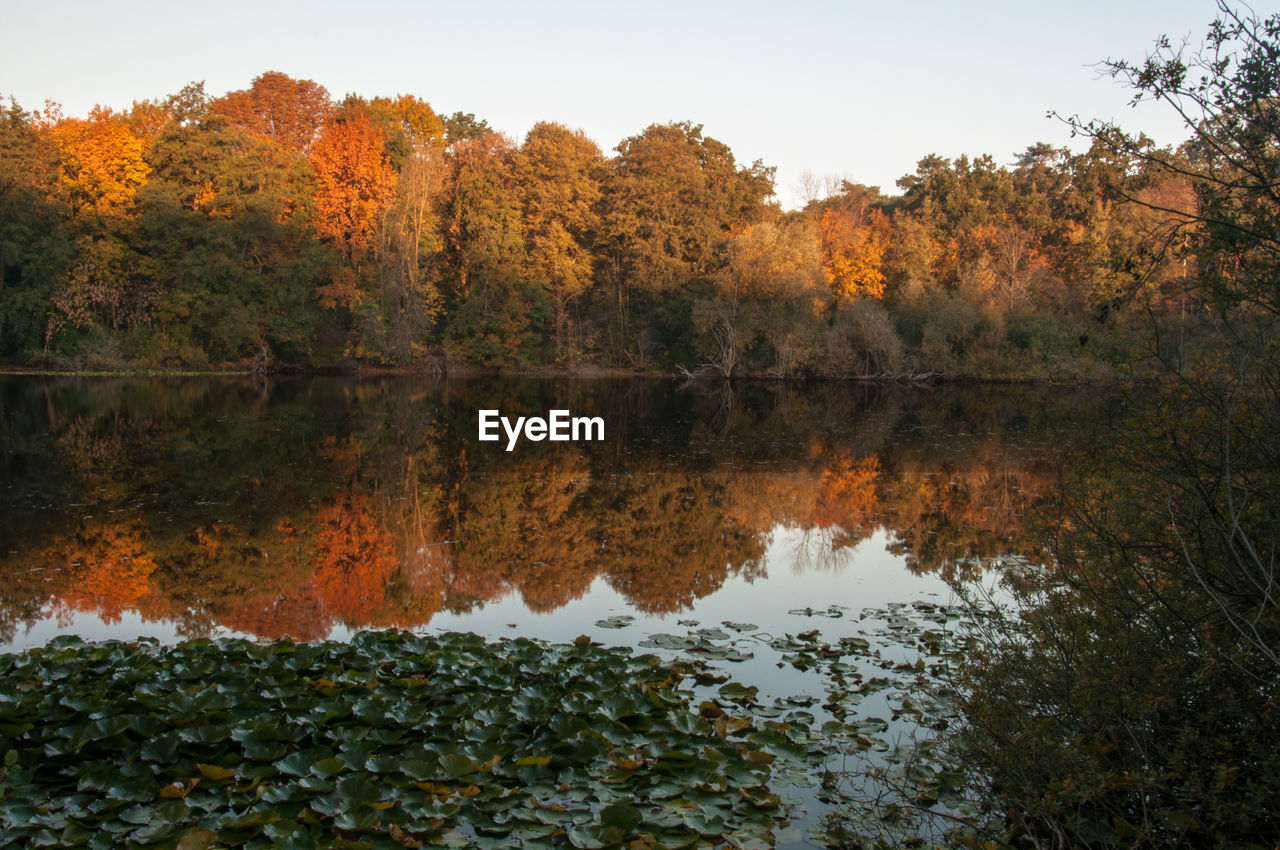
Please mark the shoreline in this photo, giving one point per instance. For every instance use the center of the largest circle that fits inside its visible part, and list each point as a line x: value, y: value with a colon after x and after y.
x: 589, y: 373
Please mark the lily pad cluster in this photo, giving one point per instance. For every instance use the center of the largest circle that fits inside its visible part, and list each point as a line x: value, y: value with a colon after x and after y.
x: 870, y: 726
x: 890, y: 780
x: 700, y: 644
x: 389, y: 740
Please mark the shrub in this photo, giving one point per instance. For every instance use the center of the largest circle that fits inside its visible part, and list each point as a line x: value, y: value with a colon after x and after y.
x: 862, y: 342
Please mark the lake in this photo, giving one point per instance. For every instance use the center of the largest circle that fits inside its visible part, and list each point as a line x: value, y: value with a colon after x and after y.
x: 315, y: 507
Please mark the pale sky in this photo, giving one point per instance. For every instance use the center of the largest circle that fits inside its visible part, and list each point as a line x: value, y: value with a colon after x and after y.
x: 860, y: 90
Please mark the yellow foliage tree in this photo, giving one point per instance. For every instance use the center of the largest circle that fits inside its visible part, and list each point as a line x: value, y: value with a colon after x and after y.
x: 96, y: 165
x: 409, y: 122
x: 853, y: 249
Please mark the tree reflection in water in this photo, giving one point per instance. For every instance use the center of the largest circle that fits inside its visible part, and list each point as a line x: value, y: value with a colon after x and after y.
x: 329, y: 502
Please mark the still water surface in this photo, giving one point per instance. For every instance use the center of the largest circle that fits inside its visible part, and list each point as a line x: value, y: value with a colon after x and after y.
x: 312, y: 507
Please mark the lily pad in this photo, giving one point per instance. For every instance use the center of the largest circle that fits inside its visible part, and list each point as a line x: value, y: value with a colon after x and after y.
x: 388, y: 738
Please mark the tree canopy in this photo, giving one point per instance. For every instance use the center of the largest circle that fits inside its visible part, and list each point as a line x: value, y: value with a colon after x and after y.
x: 272, y: 222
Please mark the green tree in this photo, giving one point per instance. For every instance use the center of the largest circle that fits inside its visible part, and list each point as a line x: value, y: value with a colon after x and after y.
x: 226, y: 222
x: 34, y: 244
x: 494, y: 312
x: 464, y: 125
x: 671, y: 199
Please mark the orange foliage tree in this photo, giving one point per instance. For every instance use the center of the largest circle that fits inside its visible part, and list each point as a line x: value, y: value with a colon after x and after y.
x: 354, y: 184
x: 278, y: 107
x: 853, y: 252
x: 93, y: 169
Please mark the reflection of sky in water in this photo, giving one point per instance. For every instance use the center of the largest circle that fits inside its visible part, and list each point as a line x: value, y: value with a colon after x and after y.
x: 800, y: 572
x: 91, y: 628
x: 864, y: 576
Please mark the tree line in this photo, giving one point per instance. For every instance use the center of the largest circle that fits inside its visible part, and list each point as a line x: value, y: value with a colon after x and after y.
x: 275, y: 226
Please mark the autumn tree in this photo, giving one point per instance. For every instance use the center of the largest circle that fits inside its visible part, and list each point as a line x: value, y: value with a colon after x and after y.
x: 93, y: 170
x: 769, y: 300
x: 437, y: 236
x: 409, y: 124
x: 227, y: 224
x: 853, y: 232
x: 406, y: 241
x: 288, y: 111
x: 354, y: 184
x: 657, y: 222
x: 147, y: 117
x: 909, y: 257
x: 557, y: 173
x: 956, y: 198
x: 1021, y: 275
x: 484, y: 214
x: 853, y: 252
x: 410, y: 242
x: 96, y: 165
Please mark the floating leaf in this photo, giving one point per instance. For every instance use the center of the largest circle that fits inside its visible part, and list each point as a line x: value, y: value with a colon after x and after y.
x: 540, y: 761
x: 216, y: 772
x: 458, y: 765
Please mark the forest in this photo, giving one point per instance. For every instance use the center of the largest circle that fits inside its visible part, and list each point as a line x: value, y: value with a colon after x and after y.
x: 276, y: 228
